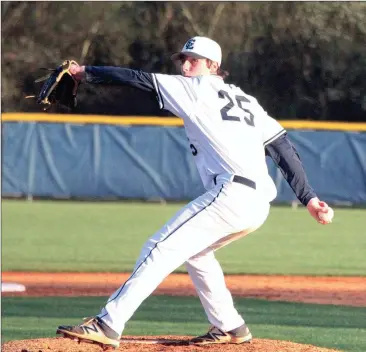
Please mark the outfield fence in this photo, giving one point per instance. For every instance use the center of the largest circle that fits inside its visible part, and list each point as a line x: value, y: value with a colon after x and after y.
x: 134, y: 157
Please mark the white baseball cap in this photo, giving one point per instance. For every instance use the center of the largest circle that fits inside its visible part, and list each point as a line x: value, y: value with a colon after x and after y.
x: 200, y: 47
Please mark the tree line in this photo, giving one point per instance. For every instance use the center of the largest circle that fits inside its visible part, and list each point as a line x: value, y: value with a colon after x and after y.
x: 301, y: 60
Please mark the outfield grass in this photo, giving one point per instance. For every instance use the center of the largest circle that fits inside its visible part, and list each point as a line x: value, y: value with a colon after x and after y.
x: 320, y: 325
x: 82, y: 236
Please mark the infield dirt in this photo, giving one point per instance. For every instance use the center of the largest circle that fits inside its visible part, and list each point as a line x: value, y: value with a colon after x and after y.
x: 321, y: 290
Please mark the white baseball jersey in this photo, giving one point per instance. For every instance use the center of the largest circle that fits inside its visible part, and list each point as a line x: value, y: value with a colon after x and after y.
x: 227, y: 129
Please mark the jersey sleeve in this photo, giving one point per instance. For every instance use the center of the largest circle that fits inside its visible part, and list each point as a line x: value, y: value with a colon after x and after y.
x: 287, y: 159
x: 271, y: 129
x: 175, y: 94
x: 119, y: 76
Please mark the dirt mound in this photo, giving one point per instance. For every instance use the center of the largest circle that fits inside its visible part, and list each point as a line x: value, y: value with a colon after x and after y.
x: 155, y: 344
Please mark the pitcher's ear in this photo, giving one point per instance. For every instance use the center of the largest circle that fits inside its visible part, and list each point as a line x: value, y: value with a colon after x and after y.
x: 213, y: 66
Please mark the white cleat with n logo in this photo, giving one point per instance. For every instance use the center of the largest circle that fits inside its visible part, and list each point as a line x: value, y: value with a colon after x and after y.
x: 216, y: 335
x: 92, y: 330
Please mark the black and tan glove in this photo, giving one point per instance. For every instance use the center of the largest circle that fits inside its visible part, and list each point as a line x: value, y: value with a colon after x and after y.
x: 60, y: 87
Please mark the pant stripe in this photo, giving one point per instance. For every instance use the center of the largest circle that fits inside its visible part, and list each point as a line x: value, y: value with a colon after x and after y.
x: 161, y: 242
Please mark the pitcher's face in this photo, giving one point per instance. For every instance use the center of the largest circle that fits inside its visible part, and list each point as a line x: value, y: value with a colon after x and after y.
x: 191, y: 66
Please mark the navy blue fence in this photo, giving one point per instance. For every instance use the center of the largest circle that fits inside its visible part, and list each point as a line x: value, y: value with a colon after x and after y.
x: 149, y: 162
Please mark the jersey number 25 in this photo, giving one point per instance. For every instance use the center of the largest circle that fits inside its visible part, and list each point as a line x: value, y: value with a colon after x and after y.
x: 249, y: 119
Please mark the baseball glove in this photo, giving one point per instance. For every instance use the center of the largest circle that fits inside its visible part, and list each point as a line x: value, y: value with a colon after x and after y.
x: 59, y: 87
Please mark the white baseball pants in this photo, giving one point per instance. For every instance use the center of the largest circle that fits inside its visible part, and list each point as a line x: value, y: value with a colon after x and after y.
x: 221, y: 215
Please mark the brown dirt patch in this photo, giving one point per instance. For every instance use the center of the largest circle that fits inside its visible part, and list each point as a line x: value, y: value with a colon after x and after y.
x: 167, y: 343
x: 323, y: 290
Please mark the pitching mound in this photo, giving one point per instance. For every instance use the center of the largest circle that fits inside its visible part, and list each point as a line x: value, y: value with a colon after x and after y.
x: 155, y: 344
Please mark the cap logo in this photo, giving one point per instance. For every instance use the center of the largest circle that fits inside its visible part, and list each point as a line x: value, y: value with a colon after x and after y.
x: 189, y: 44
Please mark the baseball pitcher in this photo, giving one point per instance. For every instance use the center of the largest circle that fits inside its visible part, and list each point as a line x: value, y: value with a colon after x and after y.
x: 229, y: 135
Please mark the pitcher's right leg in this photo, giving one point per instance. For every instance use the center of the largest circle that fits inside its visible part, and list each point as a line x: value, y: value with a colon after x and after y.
x: 208, y: 278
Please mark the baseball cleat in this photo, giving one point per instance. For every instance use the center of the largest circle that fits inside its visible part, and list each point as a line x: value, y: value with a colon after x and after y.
x: 216, y: 336
x: 92, y: 330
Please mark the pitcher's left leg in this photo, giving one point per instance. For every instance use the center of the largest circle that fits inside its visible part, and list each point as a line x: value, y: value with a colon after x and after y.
x: 192, y: 230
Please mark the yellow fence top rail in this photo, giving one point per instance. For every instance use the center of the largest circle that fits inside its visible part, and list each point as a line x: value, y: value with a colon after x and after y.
x: 165, y: 121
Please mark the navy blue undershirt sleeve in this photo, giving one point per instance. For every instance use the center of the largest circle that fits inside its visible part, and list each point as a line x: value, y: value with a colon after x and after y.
x: 287, y: 159
x: 120, y: 76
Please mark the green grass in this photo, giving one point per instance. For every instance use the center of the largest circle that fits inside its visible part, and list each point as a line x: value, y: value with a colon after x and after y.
x: 85, y: 236
x: 320, y: 325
